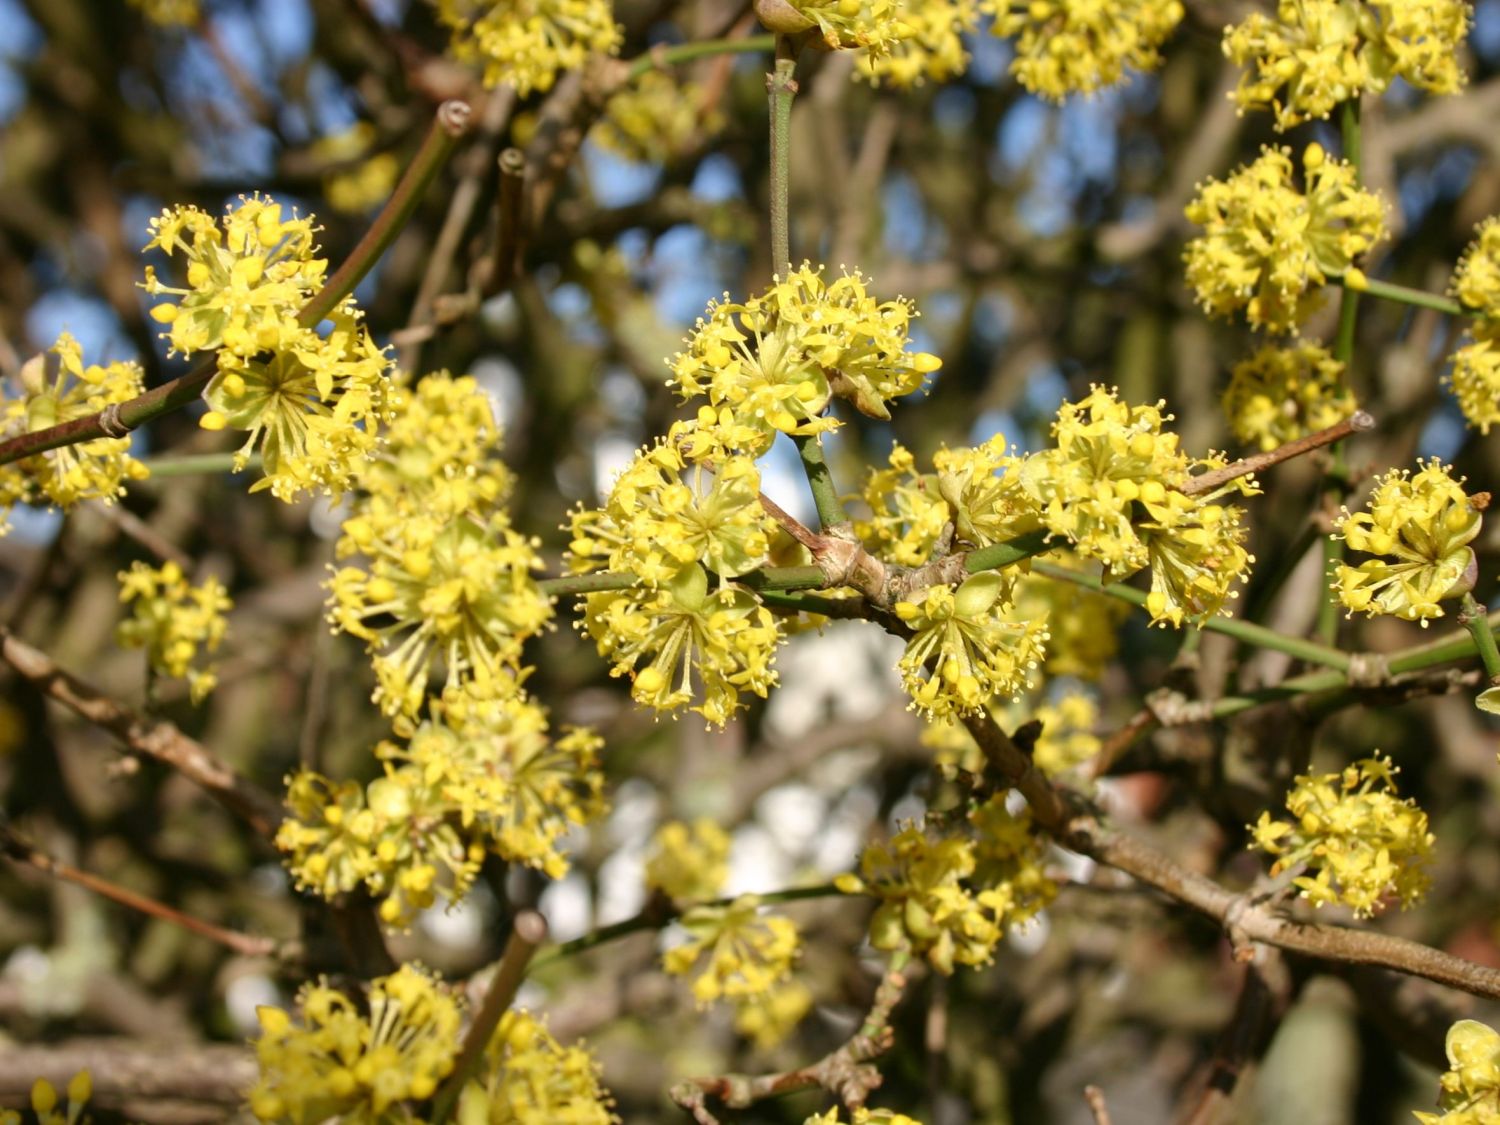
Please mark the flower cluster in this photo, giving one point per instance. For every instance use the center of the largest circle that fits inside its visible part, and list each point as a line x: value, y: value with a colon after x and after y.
x: 681, y: 530
x: 932, y: 49
x: 357, y: 180
x: 907, y: 513
x: 772, y: 363
x: 963, y: 650
x: 44, y: 1102
x: 653, y: 119
x: 1471, y: 1084
x: 174, y: 622
x: 862, y: 1116
x: 1084, y: 626
x: 343, y: 1063
x: 985, y: 488
x: 873, y: 26
x: 1266, y: 247
x: 484, y: 778
x: 1066, y: 737
x: 57, y: 386
x: 1080, y: 46
x: 443, y: 575
x: 310, y: 401
x: 1113, y: 487
x: 1422, y: 525
x: 1475, y: 377
x: 528, y: 43
x: 1313, y: 54
x: 528, y: 1076
x: 1364, y: 844
x: 744, y: 953
x: 170, y: 13
x: 1280, y: 394
x: 947, y: 898
x: 688, y: 862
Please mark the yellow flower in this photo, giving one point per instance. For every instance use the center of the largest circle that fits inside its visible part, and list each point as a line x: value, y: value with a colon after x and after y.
x: 1363, y: 843
x: 868, y: 25
x: 1281, y: 394
x: 44, y: 1102
x: 1314, y: 54
x: 1267, y: 247
x: 1475, y: 377
x: 1009, y: 854
x: 986, y: 493
x: 356, y: 183
x: 769, y: 1018
x: 246, y: 283
x: 654, y: 119
x: 342, y: 1063
x: 1084, y: 626
x: 700, y: 648
x: 963, y: 651
x: 170, y: 13
x: 1476, y: 278
x: 1470, y: 1087
x: 528, y: 1078
x: 862, y: 1116
x: 906, y: 512
x: 311, y: 409
x: 1422, y: 525
x: 57, y: 387
x: 483, y: 779
x: 1079, y: 46
x: 434, y: 586
x: 688, y: 862
x: 173, y: 621
x: 774, y: 362
x: 745, y: 954
x: 932, y: 50
x: 527, y: 43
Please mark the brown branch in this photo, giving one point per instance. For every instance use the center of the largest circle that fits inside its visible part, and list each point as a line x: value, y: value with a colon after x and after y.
x: 1264, y: 992
x: 845, y: 1072
x: 133, y: 527
x: 19, y: 850
x: 792, y: 525
x: 151, y: 738
x: 1094, y: 1097
x: 126, y: 1071
x: 1358, y: 422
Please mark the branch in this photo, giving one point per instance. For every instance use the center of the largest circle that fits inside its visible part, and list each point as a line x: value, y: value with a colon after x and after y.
x: 1358, y: 422
x: 128, y: 1072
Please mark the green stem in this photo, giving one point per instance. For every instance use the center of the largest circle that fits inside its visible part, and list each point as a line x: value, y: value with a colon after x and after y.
x: 771, y: 578
x: 659, y: 58
x: 1406, y: 295
x: 655, y: 919
x: 199, y: 463
x: 811, y: 603
x: 1012, y: 551
x: 1244, y: 631
x: 782, y: 88
x: 449, y: 124
x: 824, y: 492
x: 1472, y: 617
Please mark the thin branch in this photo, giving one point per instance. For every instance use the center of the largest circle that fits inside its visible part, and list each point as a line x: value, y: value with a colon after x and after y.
x: 21, y: 851
x: 133, y: 527
x: 128, y: 1071
x: 1098, y: 1107
x: 791, y: 524
x: 1358, y: 422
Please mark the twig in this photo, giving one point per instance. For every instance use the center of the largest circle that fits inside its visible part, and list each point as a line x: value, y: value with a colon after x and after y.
x: 845, y: 1072
x: 791, y: 524
x: 152, y: 738
x: 133, y: 527
x: 1097, y: 1105
x: 19, y: 850
x: 1357, y: 422
x: 1262, y: 998
x: 527, y: 933
x: 128, y: 1070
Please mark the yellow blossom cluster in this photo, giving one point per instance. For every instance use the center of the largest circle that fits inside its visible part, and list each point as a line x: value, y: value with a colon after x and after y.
x: 357, y: 180
x: 1080, y: 46
x: 1475, y: 377
x: 907, y: 513
x: 688, y: 862
x: 1280, y: 394
x: 873, y: 26
x: 174, y: 621
x: 862, y: 1116
x: 986, y: 490
x: 1084, y: 625
x: 442, y: 574
x: 56, y: 387
x: 1313, y: 54
x: 484, y: 778
x: 170, y: 13
x: 1267, y: 247
x: 1420, y: 525
x: 311, y: 401
x: 964, y: 650
x: 932, y: 50
x: 340, y: 1062
x: 681, y: 530
x: 1066, y: 737
x: 741, y: 953
x: 529, y: 1078
x: 44, y: 1102
x: 527, y: 43
x: 654, y: 119
x: 1470, y: 1087
x: 772, y: 363
x: 947, y: 898
x: 1363, y: 843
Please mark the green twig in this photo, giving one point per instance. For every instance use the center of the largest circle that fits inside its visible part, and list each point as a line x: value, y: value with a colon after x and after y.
x: 1404, y: 294
x: 448, y: 126
x: 1246, y: 632
x: 199, y: 463
x: 999, y: 555
x: 1472, y: 617
x: 771, y: 578
x: 825, y: 493
x: 659, y: 58
x: 781, y: 86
